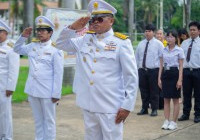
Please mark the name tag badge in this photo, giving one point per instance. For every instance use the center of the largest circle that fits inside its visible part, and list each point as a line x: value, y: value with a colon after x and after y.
x: 109, y: 48
x: 46, y: 53
x: 89, y: 44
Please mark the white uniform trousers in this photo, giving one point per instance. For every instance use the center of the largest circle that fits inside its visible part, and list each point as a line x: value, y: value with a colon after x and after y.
x: 6, y: 127
x: 44, y: 113
x: 101, y: 126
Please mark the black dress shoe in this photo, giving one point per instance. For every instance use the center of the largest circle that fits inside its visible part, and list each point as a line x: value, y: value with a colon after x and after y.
x: 183, y: 118
x: 143, y: 112
x: 197, y: 119
x: 154, y: 113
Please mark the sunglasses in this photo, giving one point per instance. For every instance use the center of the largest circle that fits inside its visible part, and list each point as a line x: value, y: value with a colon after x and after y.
x: 99, y: 19
x: 40, y: 29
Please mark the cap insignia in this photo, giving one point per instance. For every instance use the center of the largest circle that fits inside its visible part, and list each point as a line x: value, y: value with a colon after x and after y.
x: 96, y: 5
x: 40, y: 20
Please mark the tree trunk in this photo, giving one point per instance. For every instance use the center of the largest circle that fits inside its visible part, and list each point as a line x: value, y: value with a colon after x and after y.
x: 187, y: 5
x: 28, y: 13
x: 161, y: 14
x: 131, y: 18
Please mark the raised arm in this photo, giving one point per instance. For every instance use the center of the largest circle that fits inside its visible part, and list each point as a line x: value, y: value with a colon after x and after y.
x: 66, y: 40
x: 20, y: 46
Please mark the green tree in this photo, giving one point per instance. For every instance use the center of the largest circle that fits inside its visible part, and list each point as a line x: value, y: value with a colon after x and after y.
x: 195, y: 10
x: 120, y: 21
x: 173, y: 17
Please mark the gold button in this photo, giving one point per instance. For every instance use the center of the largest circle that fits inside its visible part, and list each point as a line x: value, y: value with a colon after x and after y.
x: 95, y: 60
x: 91, y: 82
x: 84, y: 59
x: 93, y: 71
x: 97, y: 50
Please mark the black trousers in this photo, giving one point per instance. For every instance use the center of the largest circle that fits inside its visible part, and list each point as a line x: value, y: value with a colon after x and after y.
x: 148, y: 84
x: 191, y: 83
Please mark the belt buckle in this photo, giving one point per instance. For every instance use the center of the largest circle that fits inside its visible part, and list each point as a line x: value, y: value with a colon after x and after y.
x: 145, y: 69
x: 191, y: 69
x: 166, y: 68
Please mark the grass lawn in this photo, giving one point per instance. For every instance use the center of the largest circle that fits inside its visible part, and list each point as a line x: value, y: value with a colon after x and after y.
x: 19, y: 94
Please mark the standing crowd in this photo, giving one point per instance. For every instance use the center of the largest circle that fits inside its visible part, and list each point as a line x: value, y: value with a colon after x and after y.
x: 107, y: 74
x: 169, y: 66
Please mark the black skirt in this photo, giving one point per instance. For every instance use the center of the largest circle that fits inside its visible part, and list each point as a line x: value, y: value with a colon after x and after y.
x: 169, y: 80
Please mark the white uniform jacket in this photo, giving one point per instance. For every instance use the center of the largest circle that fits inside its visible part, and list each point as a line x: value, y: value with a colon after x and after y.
x: 45, y: 68
x: 9, y: 67
x: 108, y: 77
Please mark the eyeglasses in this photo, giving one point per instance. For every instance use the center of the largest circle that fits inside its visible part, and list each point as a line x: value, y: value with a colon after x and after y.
x: 40, y: 30
x: 100, y: 19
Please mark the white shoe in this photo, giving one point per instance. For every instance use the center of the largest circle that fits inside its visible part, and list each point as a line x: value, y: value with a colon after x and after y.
x: 172, y: 125
x: 165, y: 124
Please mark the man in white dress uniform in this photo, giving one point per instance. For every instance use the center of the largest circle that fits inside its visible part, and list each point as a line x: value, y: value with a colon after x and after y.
x: 107, y: 79
x: 44, y: 81
x: 9, y: 69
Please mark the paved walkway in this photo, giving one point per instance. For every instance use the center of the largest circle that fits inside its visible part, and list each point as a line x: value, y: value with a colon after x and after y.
x: 70, y: 124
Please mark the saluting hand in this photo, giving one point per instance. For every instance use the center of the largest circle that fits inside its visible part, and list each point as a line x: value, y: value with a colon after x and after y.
x: 9, y: 93
x: 27, y: 32
x: 121, y: 115
x: 80, y: 23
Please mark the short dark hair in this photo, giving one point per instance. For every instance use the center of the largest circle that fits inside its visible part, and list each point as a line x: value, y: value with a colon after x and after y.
x: 182, y: 31
x: 174, y: 34
x: 49, y: 30
x: 195, y: 23
x: 150, y: 27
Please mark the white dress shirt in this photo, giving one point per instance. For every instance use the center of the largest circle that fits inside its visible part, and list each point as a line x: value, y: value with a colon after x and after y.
x: 154, y: 50
x: 195, y: 53
x: 171, y: 57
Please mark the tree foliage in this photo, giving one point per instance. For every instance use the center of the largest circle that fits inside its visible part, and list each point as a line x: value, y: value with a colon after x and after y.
x: 146, y: 12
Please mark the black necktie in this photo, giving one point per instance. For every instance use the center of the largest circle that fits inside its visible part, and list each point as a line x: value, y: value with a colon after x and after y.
x: 145, y: 55
x: 189, y: 51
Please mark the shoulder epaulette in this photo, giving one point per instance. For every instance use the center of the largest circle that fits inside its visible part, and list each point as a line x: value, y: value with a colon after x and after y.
x: 10, y: 44
x: 90, y: 32
x: 35, y: 40
x: 53, y: 44
x: 120, y: 35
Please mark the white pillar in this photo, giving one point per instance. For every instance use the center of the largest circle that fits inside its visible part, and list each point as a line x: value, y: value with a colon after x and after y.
x: 161, y: 14
x: 131, y: 18
x: 68, y: 4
